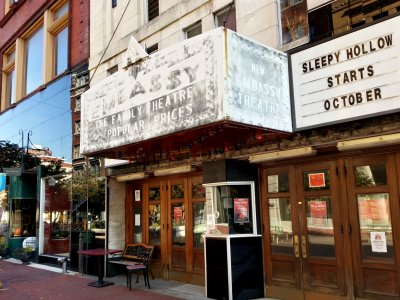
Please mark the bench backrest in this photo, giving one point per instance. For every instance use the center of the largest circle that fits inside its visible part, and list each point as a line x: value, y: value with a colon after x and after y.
x: 135, y: 251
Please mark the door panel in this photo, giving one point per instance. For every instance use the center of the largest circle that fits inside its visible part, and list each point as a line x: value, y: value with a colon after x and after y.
x: 340, y: 211
x: 303, y: 231
x: 319, y: 230
x: 175, y: 221
x: 373, y: 209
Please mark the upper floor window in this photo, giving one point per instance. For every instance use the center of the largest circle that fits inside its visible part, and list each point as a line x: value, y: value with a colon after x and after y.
x: 8, y: 4
x: 152, y: 49
x: 226, y: 17
x: 33, y: 66
x: 8, y: 71
x: 58, y: 32
x: 152, y: 9
x: 193, y: 30
x: 38, y: 55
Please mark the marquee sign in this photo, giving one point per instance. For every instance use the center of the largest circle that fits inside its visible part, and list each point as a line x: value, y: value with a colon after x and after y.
x: 186, y: 86
x: 352, y: 77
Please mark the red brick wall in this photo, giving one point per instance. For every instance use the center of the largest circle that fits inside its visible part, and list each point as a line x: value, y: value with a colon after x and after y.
x: 79, y: 32
x: 23, y: 16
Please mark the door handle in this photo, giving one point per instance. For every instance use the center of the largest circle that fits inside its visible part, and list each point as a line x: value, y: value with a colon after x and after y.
x: 303, y: 246
x: 296, y: 246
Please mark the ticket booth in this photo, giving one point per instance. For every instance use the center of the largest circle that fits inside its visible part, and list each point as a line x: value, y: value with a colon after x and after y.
x: 233, y: 247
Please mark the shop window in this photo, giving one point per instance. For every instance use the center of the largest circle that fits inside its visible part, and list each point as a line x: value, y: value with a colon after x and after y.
x: 226, y: 17
x: 8, y: 78
x: 152, y: 9
x: 193, y: 30
x: 23, y: 212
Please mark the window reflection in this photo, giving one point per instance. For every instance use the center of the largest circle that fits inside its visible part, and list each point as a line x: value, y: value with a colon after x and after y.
x: 198, y: 190
x: 280, y: 225
x: 199, y: 224
x: 278, y: 183
x: 320, y: 227
x: 61, y: 51
x: 34, y: 61
x: 375, y: 225
x: 23, y: 216
x: 371, y: 175
x: 177, y: 191
x: 154, y: 224
x: 154, y: 193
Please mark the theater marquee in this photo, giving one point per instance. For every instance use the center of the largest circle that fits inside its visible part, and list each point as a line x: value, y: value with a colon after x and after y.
x: 191, y: 84
x: 351, y: 77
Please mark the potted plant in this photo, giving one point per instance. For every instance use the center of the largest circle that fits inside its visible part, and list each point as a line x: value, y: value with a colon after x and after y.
x: 24, y: 254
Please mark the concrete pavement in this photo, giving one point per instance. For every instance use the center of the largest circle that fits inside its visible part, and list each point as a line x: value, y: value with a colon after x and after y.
x: 26, y: 282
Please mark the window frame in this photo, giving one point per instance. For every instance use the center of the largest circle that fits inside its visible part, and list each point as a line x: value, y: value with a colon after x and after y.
x: 150, y: 17
x: 51, y: 28
x: 191, y: 27
x: 7, y: 68
x: 225, y: 10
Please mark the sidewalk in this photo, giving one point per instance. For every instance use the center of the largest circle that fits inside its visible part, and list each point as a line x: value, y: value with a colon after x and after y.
x: 29, y: 282
x: 41, y: 282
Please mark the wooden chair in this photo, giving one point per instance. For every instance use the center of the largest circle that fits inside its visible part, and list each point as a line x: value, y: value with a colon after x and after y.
x: 142, y: 265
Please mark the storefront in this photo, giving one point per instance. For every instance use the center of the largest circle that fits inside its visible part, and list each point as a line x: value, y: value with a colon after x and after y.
x: 181, y: 119
x: 331, y: 207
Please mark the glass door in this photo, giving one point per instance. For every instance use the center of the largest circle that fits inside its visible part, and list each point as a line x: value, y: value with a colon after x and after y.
x: 320, y: 239
x: 374, y: 209
x: 177, y: 224
x: 303, y: 237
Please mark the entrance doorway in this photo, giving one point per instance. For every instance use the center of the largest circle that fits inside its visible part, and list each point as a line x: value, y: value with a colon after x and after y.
x: 330, y: 227
x: 174, y: 220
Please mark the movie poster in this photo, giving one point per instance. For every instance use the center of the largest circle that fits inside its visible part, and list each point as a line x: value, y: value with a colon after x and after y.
x: 241, y: 210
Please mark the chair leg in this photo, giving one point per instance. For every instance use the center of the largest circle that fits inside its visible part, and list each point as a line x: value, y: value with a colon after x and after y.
x: 129, y: 278
x: 137, y: 277
x: 147, y: 277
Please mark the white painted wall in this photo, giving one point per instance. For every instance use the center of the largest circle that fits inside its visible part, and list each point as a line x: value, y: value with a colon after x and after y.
x: 256, y: 19
x: 116, y: 217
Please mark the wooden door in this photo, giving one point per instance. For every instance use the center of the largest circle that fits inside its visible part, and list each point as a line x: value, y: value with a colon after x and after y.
x: 175, y: 221
x: 303, y: 240
x: 373, y: 198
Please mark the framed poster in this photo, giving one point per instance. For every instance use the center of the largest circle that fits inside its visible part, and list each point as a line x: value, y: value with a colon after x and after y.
x: 241, y: 210
x: 316, y: 180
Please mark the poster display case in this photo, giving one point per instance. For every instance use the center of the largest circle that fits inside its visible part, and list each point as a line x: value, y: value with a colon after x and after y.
x: 233, y: 249
x: 231, y: 208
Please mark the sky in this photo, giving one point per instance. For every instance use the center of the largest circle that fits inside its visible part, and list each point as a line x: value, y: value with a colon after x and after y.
x: 47, y: 115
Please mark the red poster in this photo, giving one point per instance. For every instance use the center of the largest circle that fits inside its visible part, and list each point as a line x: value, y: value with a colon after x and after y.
x: 316, y: 180
x: 318, y: 211
x: 178, y: 214
x: 241, y: 210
